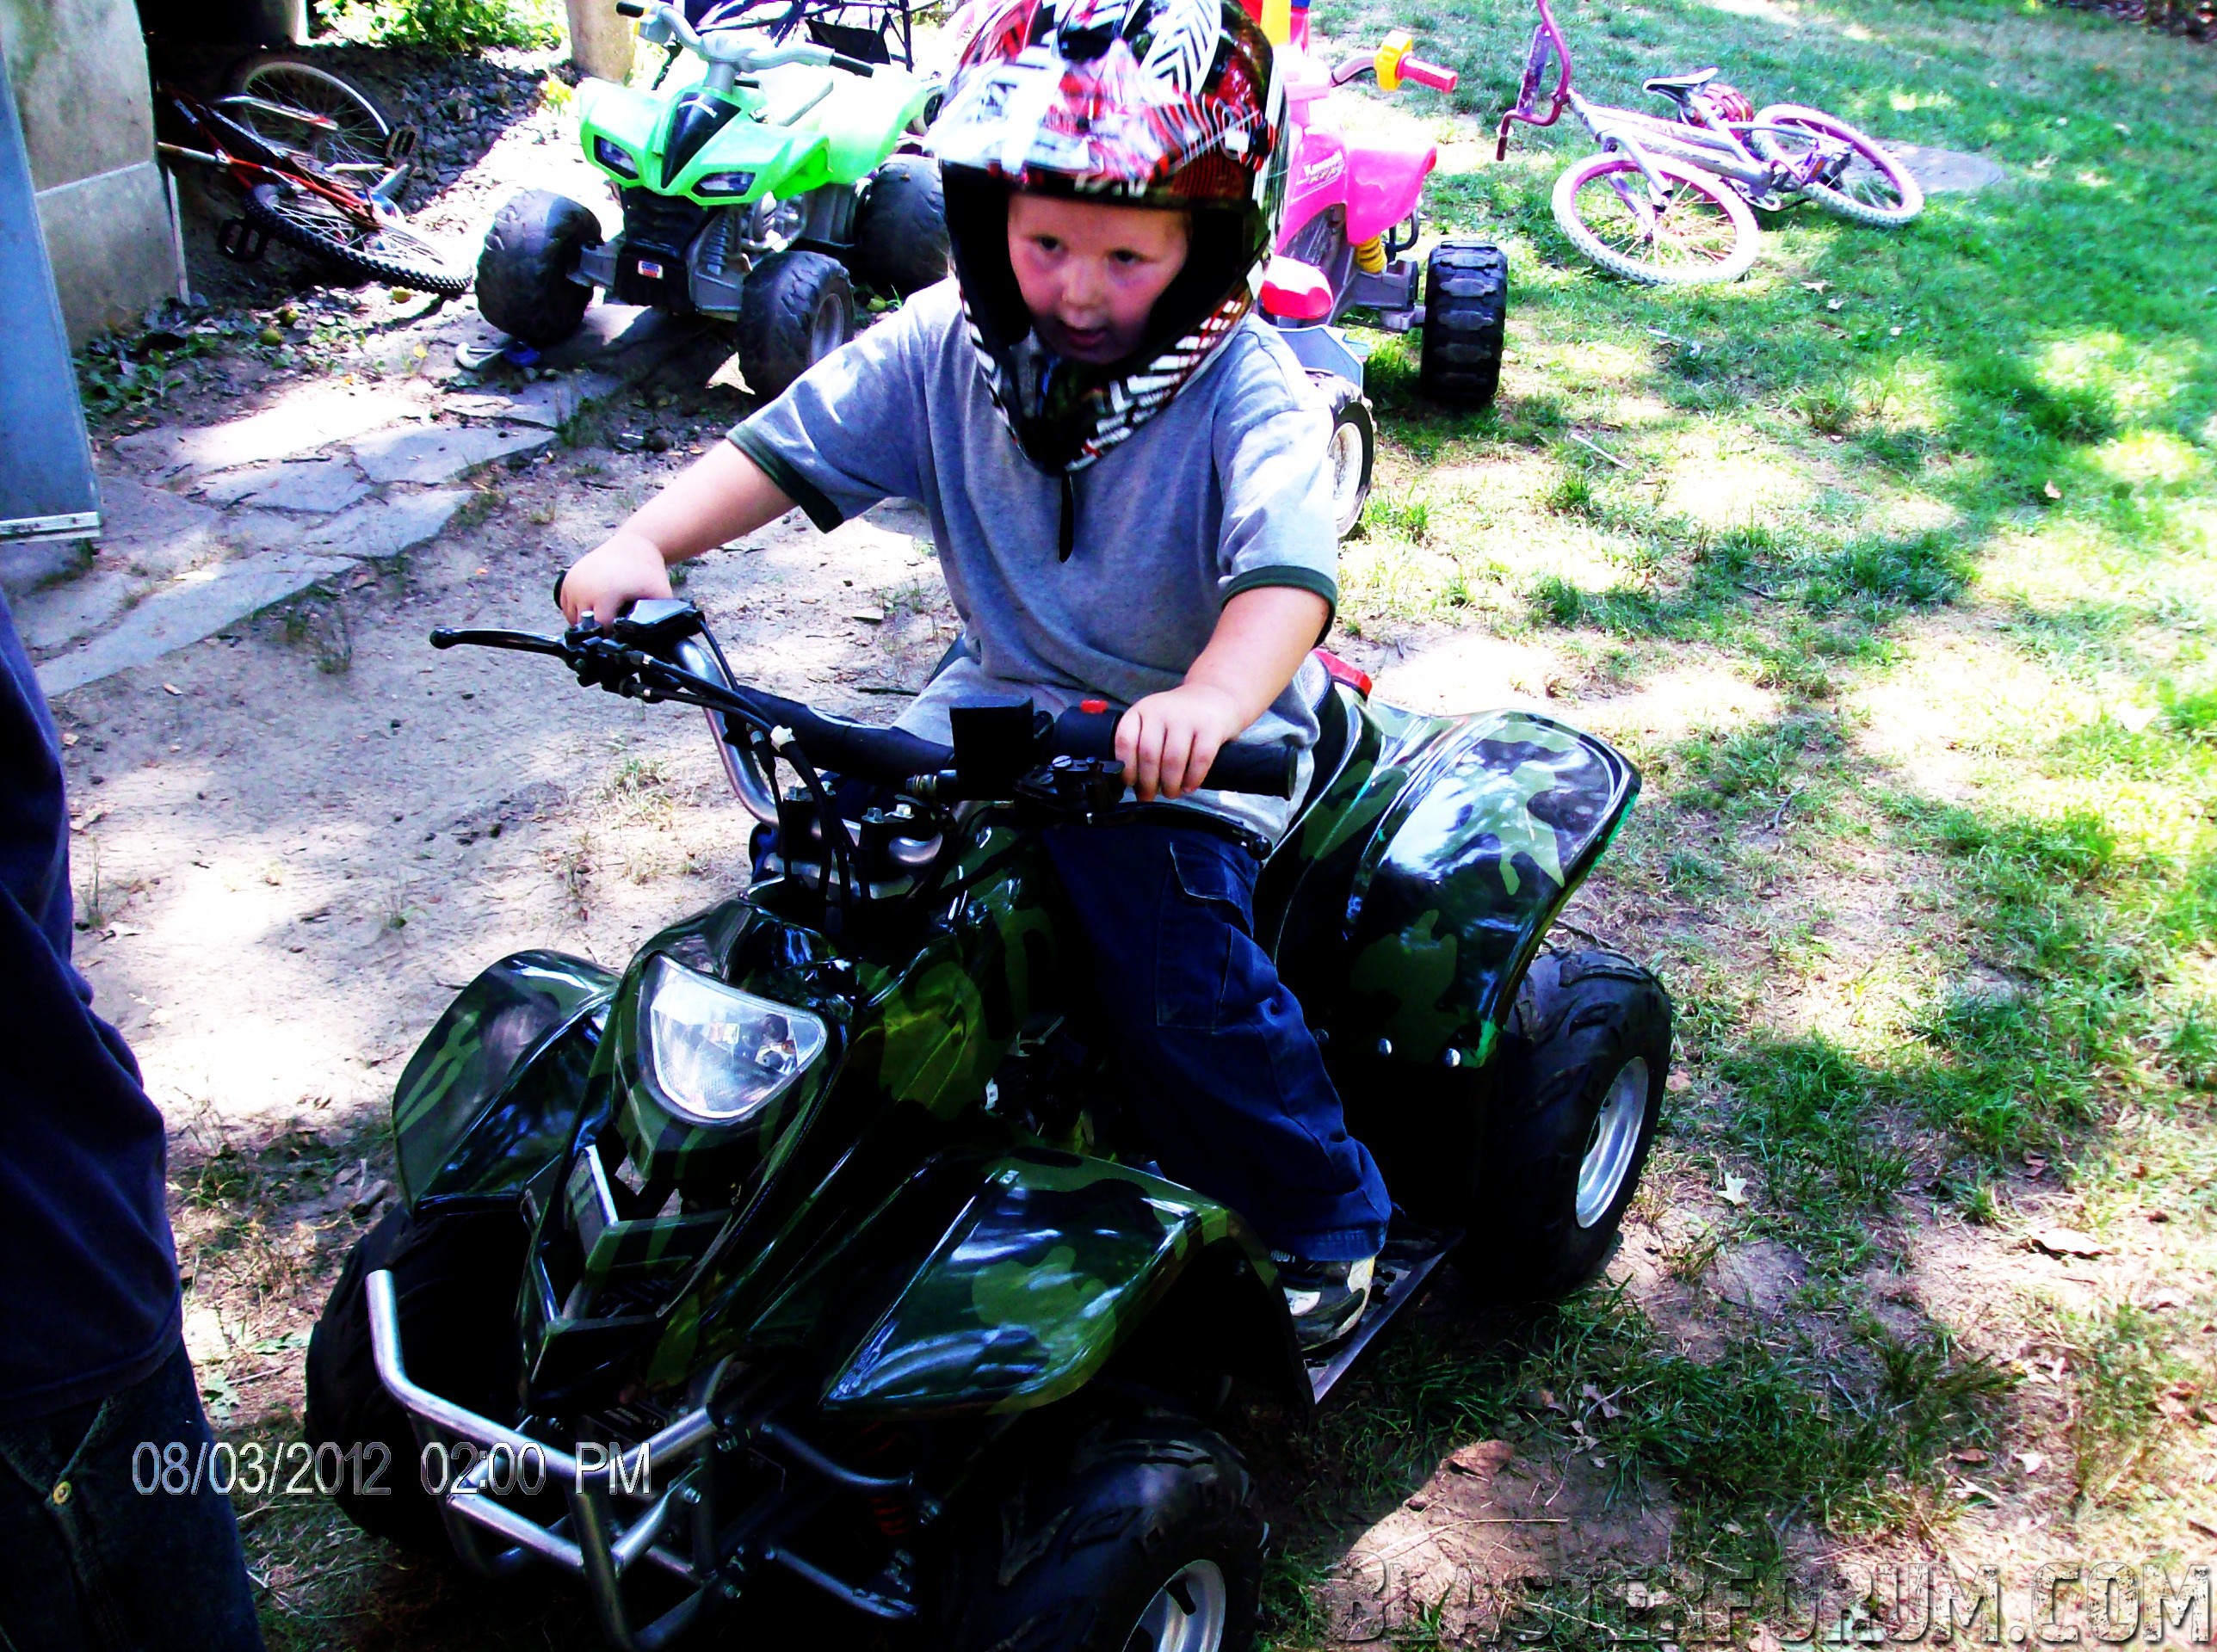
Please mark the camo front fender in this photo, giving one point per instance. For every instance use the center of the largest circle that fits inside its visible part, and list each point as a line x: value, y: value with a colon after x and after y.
x: 1047, y: 1270
x: 489, y: 1097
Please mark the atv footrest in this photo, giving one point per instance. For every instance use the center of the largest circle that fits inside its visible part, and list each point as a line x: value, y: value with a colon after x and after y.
x: 1410, y: 1255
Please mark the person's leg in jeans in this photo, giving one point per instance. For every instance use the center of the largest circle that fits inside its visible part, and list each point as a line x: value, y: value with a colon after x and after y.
x: 89, y: 1561
x: 1225, y: 1077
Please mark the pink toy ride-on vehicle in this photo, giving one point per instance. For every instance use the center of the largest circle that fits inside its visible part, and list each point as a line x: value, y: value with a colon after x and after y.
x: 1350, y: 217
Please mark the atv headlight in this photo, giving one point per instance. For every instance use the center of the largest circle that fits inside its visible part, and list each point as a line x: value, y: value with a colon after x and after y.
x: 718, y: 1055
x: 724, y: 183
x: 615, y: 158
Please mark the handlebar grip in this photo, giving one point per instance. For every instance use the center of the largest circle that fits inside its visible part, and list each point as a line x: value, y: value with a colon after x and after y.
x: 1428, y: 74
x: 1262, y: 771
x: 630, y: 8
x: 852, y: 65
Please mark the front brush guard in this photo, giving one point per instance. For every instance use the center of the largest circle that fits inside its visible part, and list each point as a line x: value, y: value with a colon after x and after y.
x: 598, y: 1545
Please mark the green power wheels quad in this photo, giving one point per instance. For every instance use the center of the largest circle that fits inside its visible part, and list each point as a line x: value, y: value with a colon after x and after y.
x: 815, y: 1247
x: 766, y: 195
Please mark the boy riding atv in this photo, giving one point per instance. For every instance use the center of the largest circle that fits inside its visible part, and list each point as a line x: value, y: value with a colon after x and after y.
x: 1126, y: 473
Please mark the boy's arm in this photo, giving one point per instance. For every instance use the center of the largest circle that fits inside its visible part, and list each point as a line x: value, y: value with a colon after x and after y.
x: 717, y: 498
x: 1167, y: 741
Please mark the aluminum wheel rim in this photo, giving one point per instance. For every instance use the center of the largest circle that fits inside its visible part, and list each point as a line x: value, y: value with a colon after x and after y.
x: 1187, y: 1614
x: 1346, y: 474
x: 1615, y: 1139
x: 358, y: 144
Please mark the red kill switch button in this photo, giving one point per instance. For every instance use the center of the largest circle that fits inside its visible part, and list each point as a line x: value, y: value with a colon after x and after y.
x: 1094, y: 707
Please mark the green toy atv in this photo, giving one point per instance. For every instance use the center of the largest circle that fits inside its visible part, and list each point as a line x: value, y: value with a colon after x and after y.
x: 764, y: 195
x: 816, y: 1244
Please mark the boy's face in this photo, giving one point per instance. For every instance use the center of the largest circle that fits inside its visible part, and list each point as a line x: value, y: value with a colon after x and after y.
x: 1089, y: 273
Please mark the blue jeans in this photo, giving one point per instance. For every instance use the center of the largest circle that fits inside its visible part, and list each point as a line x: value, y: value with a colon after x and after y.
x: 1223, y: 1076
x: 91, y: 1563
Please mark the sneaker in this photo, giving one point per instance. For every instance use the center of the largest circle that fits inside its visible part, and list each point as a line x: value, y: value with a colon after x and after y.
x: 1326, y: 1298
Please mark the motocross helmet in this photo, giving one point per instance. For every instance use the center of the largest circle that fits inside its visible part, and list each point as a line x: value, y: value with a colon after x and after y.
x: 1170, y: 103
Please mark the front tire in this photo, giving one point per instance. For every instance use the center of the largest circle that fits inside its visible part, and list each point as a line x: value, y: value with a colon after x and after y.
x: 1583, y: 1063
x: 1146, y: 1540
x: 354, y: 144
x: 365, y: 246
x: 1466, y: 315
x: 524, y: 284
x: 796, y: 309
x: 900, y: 229
x: 1353, y: 450
x: 1703, y: 231
x: 455, y: 1278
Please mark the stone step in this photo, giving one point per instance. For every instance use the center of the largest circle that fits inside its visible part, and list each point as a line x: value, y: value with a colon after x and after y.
x: 312, y: 417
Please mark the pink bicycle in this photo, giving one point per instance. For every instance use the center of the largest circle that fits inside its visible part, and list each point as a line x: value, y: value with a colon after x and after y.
x: 1668, y: 201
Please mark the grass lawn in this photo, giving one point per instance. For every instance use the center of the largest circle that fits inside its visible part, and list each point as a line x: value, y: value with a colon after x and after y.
x: 1894, y: 565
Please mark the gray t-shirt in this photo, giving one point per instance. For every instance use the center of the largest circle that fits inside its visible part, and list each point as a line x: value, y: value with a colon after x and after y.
x: 1225, y: 489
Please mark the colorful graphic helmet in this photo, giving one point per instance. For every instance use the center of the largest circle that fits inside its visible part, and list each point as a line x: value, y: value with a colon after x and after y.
x: 1171, y: 103
x: 1725, y: 102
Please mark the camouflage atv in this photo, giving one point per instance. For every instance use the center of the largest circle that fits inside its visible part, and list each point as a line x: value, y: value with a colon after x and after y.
x: 815, y: 1246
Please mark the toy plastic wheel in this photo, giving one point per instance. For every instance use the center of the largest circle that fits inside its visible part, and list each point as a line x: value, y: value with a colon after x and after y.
x: 1701, y: 230
x: 1354, y: 446
x: 455, y: 1276
x: 1587, y: 1050
x: 1865, y: 184
x: 1148, y: 1536
x: 354, y: 142
x: 1466, y: 310
x: 900, y: 229
x: 796, y: 309
x: 377, y: 248
x: 524, y: 273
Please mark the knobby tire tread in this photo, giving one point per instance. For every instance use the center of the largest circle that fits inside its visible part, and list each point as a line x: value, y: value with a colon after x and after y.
x: 372, y: 266
x: 1833, y: 200
x: 1746, y: 244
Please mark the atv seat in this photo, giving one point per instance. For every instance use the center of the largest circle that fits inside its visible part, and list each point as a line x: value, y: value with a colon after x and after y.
x: 1679, y: 86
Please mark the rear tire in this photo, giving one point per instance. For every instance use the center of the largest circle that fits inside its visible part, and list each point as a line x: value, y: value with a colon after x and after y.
x: 1466, y: 314
x: 1147, y: 1536
x: 1705, y: 231
x: 1583, y: 1062
x: 1874, y: 189
x: 361, y: 128
x: 796, y: 309
x: 455, y: 1276
x: 524, y: 284
x: 900, y: 229
x: 1353, y: 450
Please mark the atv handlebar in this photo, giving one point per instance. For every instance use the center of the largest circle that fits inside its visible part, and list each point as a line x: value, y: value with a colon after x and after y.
x: 627, y: 657
x: 729, y: 45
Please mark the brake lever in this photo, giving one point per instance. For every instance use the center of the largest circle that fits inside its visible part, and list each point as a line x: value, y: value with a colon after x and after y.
x: 523, y: 642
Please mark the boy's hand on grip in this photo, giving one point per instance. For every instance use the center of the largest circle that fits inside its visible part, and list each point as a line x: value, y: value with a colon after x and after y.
x: 606, y: 582
x: 1167, y: 741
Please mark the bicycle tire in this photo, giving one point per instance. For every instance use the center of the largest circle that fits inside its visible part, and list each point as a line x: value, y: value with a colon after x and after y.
x: 296, y: 81
x: 1908, y: 193
x: 393, y: 255
x: 1738, y: 254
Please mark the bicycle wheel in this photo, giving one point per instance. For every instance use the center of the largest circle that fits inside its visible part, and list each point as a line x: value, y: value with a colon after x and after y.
x: 354, y: 144
x: 359, y: 244
x: 1866, y: 185
x: 1700, y: 231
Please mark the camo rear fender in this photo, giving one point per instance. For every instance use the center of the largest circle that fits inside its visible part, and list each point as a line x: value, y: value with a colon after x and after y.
x: 489, y: 1097
x: 1050, y: 1267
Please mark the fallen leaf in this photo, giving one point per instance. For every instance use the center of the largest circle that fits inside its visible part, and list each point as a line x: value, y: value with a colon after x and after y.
x: 69, y: 739
x: 2067, y: 1241
x: 1548, y: 1400
x: 2031, y: 1462
x: 1735, y: 1190
x: 2051, y: 490
x: 2202, y: 1526
x: 172, y: 688
x: 1836, y: 304
x: 92, y: 819
x: 2166, y: 1297
x: 2035, y: 1163
x: 1815, y: 287
x: 1969, y: 1454
x: 1484, y: 1457
x: 1600, y: 1402
x: 1678, y: 1081
x: 2134, y: 719
x: 867, y: 616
